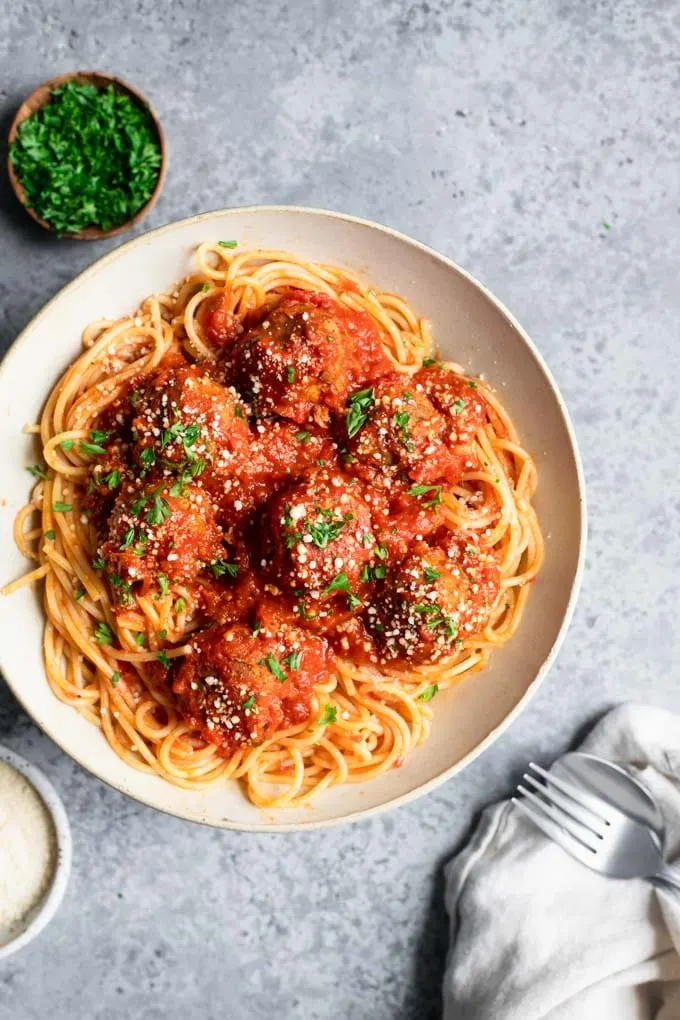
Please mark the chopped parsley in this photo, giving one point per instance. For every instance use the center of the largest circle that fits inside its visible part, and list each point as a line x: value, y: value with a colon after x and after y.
x: 426, y: 608
x: 290, y: 374
x: 140, y: 638
x: 128, y: 539
x: 228, y: 244
x: 37, y: 470
x: 274, y: 668
x: 92, y: 449
x: 353, y: 601
x: 292, y: 536
x: 293, y: 660
x: 401, y: 420
x: 329, y: 715
x: 113, y: 479
x: 445, y: 622
x: 115, y: 679
x: 431, y: 574
x: 160, y: 510
x: 303, y: 436
x: 249, y: 703
x: 324, y: 531
x: 238, y: 413
x: 99, y: 563
x: 205, y: 288
x: 221, y: 567
x: 61, y: 508
x: 359, y: 405
x: 472, y: 384
x: 187, y: 435
x: 103, y: 633
x: 50, y: 534
x: 304, y: 612
x: 428, y: 361
x: 99, y: 437
x: 257, y: 627
x: 163, y: 584
x: 472, y: 550
x: 339, y: 583
x: 148, y: 456
x: 67, y: 444
x: 376, y: 573
x: 422, y: 490
x: 180, y: 605
x: 138, y: 505
x: 79, y: 594
x: 163, y: 659
x: 91, y: 156
x: 429, y: 693
x: 458, y: 406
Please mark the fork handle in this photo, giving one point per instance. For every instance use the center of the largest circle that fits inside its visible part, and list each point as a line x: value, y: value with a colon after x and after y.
x: 669, y: 875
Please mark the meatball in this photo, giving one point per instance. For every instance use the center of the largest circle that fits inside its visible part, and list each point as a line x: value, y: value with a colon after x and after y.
x: 405, y: 513
x: 184, y: 416
x: 279, y: 452
x: 457, y: 398
x: 432, y: 601
x: 238, y: 685
x: 304, y: 358
x: 320, y: 536
x: 164, y: 529
x: 394, y: 430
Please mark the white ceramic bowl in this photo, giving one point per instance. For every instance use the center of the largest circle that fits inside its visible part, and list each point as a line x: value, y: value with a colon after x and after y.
x: 471, y: 327
x: 43, y: 912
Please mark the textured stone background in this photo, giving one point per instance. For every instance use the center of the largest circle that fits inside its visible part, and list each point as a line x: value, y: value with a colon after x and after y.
x: 505, y: 134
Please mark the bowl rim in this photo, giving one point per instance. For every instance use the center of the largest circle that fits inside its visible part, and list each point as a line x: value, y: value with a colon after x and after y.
x: 64, y: 851
x: 449, y: 773
x: 43, y: 92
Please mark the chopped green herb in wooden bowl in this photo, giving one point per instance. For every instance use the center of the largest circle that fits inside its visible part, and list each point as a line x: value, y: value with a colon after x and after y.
x: 86, y: 155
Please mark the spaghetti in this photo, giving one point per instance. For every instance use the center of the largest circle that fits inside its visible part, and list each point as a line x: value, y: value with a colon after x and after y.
x: 272, y: 527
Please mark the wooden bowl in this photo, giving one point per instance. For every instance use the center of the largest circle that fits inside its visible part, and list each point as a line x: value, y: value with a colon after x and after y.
x: 40, y: 98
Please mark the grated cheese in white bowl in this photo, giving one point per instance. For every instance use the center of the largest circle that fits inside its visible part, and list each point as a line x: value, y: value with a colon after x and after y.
x: 27, y: 847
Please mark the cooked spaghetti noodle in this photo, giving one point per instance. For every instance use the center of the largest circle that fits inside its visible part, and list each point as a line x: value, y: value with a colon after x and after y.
x: 271, y: 527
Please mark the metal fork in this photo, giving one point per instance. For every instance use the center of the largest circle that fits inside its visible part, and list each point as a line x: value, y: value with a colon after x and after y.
x: 591, y: 830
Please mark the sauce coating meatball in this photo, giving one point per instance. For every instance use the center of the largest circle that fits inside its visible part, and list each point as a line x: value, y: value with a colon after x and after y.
x: 403, y: 434
x: 239, y: 685
x: 320, y: 536
x: 456, y: 397
x: 279, y: 452
x: 184, y: 415
x: 160, y: 529
x: 304, y: 358
x: 432, y: 600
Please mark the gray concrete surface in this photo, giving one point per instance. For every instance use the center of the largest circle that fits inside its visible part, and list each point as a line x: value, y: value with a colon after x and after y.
x: 507, y: 135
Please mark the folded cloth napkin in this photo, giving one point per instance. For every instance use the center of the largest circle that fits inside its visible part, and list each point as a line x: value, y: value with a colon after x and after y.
x: 537, y: 936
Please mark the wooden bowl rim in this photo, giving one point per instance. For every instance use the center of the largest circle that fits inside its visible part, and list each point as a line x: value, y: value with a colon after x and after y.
x: 39, y: 98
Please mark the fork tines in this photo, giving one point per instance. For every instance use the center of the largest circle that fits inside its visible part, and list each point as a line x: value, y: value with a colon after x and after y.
x: 563, y: 811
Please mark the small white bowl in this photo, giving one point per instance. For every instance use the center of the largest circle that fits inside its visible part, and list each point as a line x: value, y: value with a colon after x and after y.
x: 42, y: 913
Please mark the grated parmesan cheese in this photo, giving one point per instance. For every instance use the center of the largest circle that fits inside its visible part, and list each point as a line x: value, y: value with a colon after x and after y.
x: 27, y: 847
